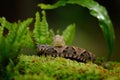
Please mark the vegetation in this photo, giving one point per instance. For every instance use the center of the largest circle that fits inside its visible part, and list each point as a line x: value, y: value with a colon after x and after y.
x: 20, y: 39
x: 11, y: 43
x: 50, y: 68
x: 16, y: 40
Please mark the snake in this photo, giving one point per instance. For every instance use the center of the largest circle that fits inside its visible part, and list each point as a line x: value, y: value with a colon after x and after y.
x: 60, y: 49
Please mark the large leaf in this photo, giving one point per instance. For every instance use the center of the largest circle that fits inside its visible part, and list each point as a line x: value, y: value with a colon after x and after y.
x: 97, y: 11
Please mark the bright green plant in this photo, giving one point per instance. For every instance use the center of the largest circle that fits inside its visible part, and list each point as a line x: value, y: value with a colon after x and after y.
x: 20, y: 39
x: 43, y: 35
x: 69, y: 33
x: 97, y: 11
x: 50, y: 68
x: 40, y: 31
x: 10, y: 43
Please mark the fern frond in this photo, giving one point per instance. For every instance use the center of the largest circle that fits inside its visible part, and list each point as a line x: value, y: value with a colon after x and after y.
x: 12, y: 41
x: 28, y: 45
x: 40, y: 31
x: 16, y: 31
x: 27, y: 40
x: 7, y: 41
x: 51, y: 34
x: 11, y: 36
x: 1, y: 33
x: 4, y: 49
x: 69, y: 33
x: 22, y: 29
x: 36, y: 30
x: 5, y: 23
x: 1, y: 43
x: 20, y: 33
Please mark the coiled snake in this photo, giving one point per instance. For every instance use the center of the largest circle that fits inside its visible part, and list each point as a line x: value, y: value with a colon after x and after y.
x: 59, y: 49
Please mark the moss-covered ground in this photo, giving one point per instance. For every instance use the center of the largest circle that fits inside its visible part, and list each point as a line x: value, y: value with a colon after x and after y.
x: 50, y: 68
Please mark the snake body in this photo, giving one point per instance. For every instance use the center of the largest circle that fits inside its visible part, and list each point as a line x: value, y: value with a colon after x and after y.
x: 69, y: 52
x: 59, y: 49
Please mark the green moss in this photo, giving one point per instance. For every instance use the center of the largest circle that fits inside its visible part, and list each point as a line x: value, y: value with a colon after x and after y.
x: 50, y: 68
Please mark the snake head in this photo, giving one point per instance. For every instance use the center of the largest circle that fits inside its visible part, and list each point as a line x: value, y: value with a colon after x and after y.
x: 58, y: 41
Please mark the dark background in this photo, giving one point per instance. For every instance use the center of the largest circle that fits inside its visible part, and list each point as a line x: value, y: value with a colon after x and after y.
x: 88, y: 33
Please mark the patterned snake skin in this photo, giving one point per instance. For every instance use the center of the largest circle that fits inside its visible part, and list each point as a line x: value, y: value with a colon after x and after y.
x: 69, y: 52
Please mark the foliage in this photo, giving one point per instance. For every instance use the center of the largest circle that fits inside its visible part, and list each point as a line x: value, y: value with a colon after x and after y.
x: 40, y: 31
x: 69, y: 33
x: 60, y: 69
x: 19, y: 38
x: 43, y: 35
x: 97, y: 11
x: 11, y: 42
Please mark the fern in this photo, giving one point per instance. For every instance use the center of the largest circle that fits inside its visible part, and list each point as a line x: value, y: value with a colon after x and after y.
x: 22, y: 29
x: 11, y: 43
x: 1, y: 45
x: 5, y: 23
x: 20, y: 39
x: 15, y: 36
x: 1, y: 34
x: 27, y: 40
x: 19, y: 36
x: 41, y: 33
x: 28, y: 44
x: 69, y: 33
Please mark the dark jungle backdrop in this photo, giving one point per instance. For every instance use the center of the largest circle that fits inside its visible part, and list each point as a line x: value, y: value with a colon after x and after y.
x: 88, y: 34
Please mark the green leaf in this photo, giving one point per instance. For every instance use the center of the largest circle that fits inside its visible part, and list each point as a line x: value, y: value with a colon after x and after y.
x: 97, y: 11
x: 40, y: 31
x: 69, y: 33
